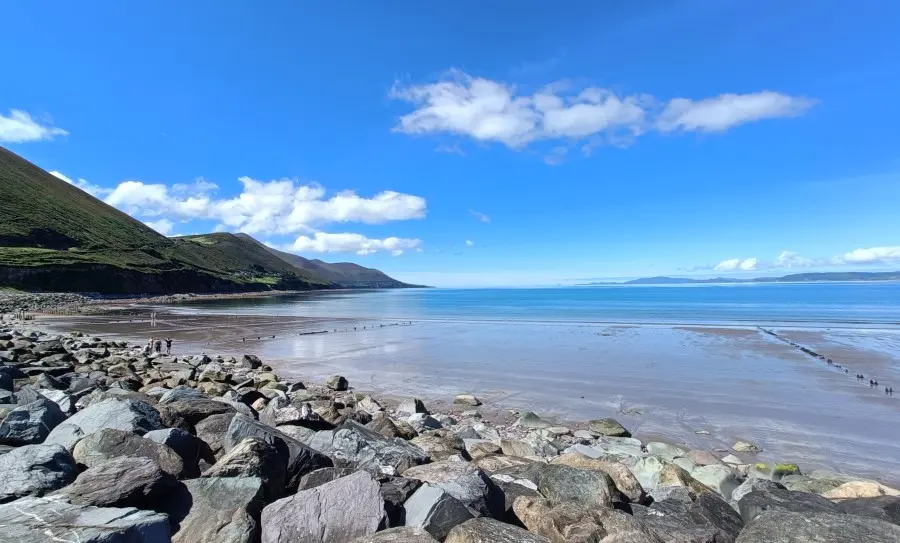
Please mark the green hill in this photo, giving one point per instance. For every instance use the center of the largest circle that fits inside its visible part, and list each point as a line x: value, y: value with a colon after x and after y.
x: 343, y: 274
x: 55, y: 237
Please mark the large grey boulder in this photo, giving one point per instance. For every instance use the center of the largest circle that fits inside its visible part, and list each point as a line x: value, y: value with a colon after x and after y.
x: 212, y: 431
x: 253, y: 457
x: 125, y: 414
x: 324, y: 514
x: 185, y: 414
x: 753, y: 484
x: 48, y: 519
x: 754, y: 503
x: 561, y: 484
x: 121, y: 482
x: 796, y: 527
x: 563, y: 522
x: 321, y: 476
x: 395, y: 491
x: 181, y: 393
x: 709, y: 519
x: 191, y: 449
x: 885, y: 508
x: 30, y: 423
x: 464, y: 482
x: 608, y: 427
x: 298, y: 458
x: 402, y: 534
x: 487, y: 530
x: 365, y: 449
x: 220, y: 509
x: 35, y: 470
x: 433, y: 509
x: 108, y: 444
x: 718, y: 477
x: 337, y: 382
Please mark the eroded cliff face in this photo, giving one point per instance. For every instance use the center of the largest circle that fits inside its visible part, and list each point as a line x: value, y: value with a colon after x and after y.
x: 112, y: 280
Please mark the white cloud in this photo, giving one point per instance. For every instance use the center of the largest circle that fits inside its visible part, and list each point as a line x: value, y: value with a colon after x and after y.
x: 323, y: 242
x: 556, y: 156
x: 83, y: 184
x: 790, y: 259
x: 276, y: 207
x: 480, y: 216
x: 734, y: 264
x: 163, y: 226
x: 728, y: 110
x: 470, y: 243
x: 450, y: 149
x: 872, y: 255
x: 494, y: 111
x: 20, y: 127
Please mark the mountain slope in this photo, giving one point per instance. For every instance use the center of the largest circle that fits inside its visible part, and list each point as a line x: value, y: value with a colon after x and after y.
x: 343, y: 274
x: 55, y: 237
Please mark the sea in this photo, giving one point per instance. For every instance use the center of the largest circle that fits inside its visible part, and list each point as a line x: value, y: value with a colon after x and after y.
x: 698, y: 365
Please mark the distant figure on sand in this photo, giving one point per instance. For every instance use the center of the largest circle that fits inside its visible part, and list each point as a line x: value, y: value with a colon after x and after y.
x: 150, y: 345
x: 168, y: 345
x: 158, y: 346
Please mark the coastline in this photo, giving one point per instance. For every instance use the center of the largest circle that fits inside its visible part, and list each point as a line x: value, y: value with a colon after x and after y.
x: 473, y: 450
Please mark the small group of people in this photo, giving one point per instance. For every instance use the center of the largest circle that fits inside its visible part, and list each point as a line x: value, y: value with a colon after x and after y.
x: 154, y: 345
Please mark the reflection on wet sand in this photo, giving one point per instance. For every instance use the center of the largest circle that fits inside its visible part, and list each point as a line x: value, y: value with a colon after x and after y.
x: 667, y: 382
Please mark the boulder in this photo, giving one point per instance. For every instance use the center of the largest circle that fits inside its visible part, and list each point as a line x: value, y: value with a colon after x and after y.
x: 61, y: 398
x: 561, y: 483
x: 511, y: 488
x: 410, y: 406
x: 532, y: 421
x: 403, y: 534
x: 253, y: 457
x: 607, y: 427
x: 124, y: 414
x: 31, y: 423
x: 565, y: 522
x: 121, y: 482
x: 497, y: 462
x: 52, y: 519
x: 212, y: 431
x: 707, y: 520
x: 395, y: 491
x: 337, y: 382
x: 467, y: 399
x: 702, y: 458
x: 321, y: 476
x: 860, y: 489
x: 221, y: 509
x: 365, y: 449
x: 624, y: 480
x: 718, y: 477
x: 886, y: 508
x: 389, y: 428
x: 754, y: 485
x: 108, y: 444
x: 433, y: 509
x: 755, y: 503
x: 486, y: 530
x: 514, y: 447
x: 745, y: 447
x: 298, y: 458
x: 464, y: 482
x: 321, y: 515
x: 665, y: 450
x: 439, y: 445
x: 796, y: 527
x: 191, y: 449
x: 480, y: 447
x: 369, y: 405
x: 35, y: 470
x: 185, y: 414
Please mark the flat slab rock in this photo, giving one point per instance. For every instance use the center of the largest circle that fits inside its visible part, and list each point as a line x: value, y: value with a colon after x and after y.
x: 322, y: 515
x: 127, y: 415
x: 42, y: 520
x: 486, y: 530
x: 787, y: 527
x: 403, y: 534
x: 121, y: 482
x: 108, y: 444
x: 220, y: 509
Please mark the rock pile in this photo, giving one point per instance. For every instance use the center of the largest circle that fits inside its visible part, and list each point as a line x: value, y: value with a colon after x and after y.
x: 101, y: 442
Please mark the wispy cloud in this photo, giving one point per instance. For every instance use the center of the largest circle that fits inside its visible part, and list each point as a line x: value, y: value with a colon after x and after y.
x: 480, y: 216
x: 450, y: 149
x: 20, y: 127
x: 556, y: 156
x: 787, y: 260
x: 735, y: 264
x: 495, y: 111
x: 323, y: 242
x: 470, y: 243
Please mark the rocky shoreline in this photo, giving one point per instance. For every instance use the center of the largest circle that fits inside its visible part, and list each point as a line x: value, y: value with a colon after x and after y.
x: 101, y: 441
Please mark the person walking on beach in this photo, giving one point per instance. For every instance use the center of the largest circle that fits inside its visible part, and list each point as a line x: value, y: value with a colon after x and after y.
x: 168, y: 345
x: 150, y: 345
x: 158, y: 346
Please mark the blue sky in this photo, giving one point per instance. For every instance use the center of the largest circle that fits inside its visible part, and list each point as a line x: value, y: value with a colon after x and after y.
x: 474, y: 143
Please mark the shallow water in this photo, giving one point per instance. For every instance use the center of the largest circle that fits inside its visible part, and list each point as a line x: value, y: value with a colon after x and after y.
x: 697, y: 361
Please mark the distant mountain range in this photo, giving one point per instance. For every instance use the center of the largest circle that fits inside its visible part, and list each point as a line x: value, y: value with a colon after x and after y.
x: 792, y: 278
x: 55, y: 237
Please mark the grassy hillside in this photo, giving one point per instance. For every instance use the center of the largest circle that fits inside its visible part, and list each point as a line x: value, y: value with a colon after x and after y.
x: 53, y: 236
x: 343, y: 274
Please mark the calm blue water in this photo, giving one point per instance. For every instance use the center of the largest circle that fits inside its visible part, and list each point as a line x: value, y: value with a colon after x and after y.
x: 819, y: 304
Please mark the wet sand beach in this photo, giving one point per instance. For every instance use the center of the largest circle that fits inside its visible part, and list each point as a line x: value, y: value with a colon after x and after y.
x: 701, y: 386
